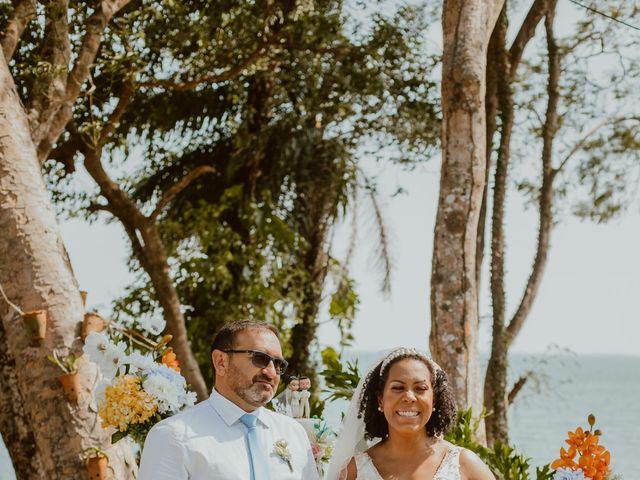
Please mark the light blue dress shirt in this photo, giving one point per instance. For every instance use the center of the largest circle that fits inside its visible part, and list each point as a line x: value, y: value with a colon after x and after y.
x: 208, y: 442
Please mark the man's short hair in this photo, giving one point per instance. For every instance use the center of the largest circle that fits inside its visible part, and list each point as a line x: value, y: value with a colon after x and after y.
x: 225, y: 339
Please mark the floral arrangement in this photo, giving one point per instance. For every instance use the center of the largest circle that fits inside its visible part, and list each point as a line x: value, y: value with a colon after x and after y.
x: 585, y: 458
x: 141, y: 382
x: 321, y: 444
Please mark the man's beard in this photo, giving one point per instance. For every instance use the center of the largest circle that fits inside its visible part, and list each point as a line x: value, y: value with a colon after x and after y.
x: 256, y: 394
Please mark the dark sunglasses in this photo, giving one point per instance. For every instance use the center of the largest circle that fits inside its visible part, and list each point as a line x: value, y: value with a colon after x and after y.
x: 262, y: 360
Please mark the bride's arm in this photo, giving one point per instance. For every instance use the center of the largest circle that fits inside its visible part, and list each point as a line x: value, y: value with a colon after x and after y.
x: 349, y: 472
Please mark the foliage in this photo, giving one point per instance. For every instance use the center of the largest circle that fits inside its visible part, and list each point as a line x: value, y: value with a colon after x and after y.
x: 340, y: 383
x: 67, y: 364
x: 503, y: 460
x: 597, y: 139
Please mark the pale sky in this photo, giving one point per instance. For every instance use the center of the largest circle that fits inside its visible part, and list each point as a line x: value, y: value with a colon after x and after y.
x: 588, y: 302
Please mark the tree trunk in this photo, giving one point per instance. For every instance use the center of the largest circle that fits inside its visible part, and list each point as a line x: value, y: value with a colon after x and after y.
x: 318, y: 204
x: 496, y: 377
x: 36, y: 274
x: 14, y: 423
x: 496, y: 396
x: 156, y: 265
x: 467, y: 27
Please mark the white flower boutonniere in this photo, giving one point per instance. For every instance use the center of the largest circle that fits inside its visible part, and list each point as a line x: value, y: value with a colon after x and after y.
x: 281, y: 449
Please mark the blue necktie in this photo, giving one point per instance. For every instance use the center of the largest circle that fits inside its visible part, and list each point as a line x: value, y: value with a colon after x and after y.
x: 258, y: 461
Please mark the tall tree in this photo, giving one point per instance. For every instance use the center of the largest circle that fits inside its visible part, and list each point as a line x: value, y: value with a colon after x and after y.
x: 594, y: 125
x: 467, y: 27
x: 505, y: 62
x: 45, y: 434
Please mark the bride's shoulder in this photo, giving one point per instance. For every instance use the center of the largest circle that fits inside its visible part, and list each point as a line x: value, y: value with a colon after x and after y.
x: 472, y: 467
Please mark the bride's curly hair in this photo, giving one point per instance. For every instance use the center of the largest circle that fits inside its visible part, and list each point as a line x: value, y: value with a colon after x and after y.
x: 375, y: 423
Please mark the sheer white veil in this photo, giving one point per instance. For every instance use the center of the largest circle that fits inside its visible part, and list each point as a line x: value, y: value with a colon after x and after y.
x: 351, y: 439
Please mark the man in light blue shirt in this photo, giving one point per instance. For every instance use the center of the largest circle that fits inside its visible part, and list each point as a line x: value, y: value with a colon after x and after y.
x: 231, y: 436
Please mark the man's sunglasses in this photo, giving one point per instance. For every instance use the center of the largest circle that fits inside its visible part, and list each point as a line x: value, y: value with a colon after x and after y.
x: 262, y: 360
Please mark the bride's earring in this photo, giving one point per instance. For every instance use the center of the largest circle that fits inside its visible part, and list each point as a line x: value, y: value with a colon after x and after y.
x: 380, y: 408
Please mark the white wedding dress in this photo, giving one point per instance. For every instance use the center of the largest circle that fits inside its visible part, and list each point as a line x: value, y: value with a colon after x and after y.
x: 449, y: 468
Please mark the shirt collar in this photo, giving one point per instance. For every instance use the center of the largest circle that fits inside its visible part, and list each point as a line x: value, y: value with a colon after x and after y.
x: 230, y: 412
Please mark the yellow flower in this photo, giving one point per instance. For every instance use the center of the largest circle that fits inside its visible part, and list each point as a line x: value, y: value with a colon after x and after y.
x: 125, y: 403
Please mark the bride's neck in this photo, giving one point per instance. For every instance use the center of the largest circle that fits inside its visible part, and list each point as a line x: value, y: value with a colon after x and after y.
x: 409, y: 443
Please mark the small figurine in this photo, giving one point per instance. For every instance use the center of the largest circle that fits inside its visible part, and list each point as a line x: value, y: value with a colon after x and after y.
x: 288, y: 402
x: 304, y: 394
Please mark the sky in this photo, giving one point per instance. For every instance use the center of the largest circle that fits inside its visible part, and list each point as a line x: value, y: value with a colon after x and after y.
x: 589, y: 300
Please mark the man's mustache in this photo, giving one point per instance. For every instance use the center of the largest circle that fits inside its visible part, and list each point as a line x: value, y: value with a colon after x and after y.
x: 264, y: 378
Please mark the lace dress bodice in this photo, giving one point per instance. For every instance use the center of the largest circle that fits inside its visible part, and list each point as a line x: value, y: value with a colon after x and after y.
x: 449, y: 469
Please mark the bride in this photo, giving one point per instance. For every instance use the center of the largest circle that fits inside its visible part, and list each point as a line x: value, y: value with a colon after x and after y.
x: 405, y: 403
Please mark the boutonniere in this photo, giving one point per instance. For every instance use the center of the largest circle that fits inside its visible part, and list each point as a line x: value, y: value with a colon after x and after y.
x: 281, y: 449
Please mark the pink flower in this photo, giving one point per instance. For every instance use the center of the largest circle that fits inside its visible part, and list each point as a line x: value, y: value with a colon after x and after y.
x: 317, y: 450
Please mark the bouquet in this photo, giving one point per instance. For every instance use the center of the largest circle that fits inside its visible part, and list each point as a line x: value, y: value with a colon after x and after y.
x: 141, y: 382
x: 321, y: 444
x: 585, y: 458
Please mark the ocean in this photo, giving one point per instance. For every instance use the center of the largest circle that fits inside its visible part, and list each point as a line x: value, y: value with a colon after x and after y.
x: 565, y: 389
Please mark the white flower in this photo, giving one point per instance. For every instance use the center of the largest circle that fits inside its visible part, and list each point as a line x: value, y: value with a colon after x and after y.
x: 566, y: 474
x: 95, y: 345
x: 168, y: 387
x: 190, y: 399
x: 163, y: 391
x: 138, y: 361
x: 281, y: 449
x: 152, y: 325
x: 107, y: 355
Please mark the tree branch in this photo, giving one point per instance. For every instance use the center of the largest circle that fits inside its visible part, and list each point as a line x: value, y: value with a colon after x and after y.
x: 527, y: 30
x: 95, y: 26
x: 212, y: 78
x: 99, y: 207
x: 580, y: 143
x: 121, y: 204
x: 65, y: 152
x: 48, y: 91
x: 113, y: 121
x: 23, y: 13
x: 517, y: 387
x: 546, y: 191
x: 175, y: 189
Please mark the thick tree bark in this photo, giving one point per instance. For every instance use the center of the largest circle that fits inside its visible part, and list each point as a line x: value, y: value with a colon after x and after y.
x: 14, y: 423
x: 467, y: 27
x: 36, y: 274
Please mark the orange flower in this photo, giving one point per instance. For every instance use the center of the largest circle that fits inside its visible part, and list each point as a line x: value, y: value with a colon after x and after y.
x: 566, y: 459
x: 593, y: 459
x: 170, y: 360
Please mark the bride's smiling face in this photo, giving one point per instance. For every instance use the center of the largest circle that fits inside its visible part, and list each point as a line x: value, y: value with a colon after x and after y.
x: 407, y: 398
